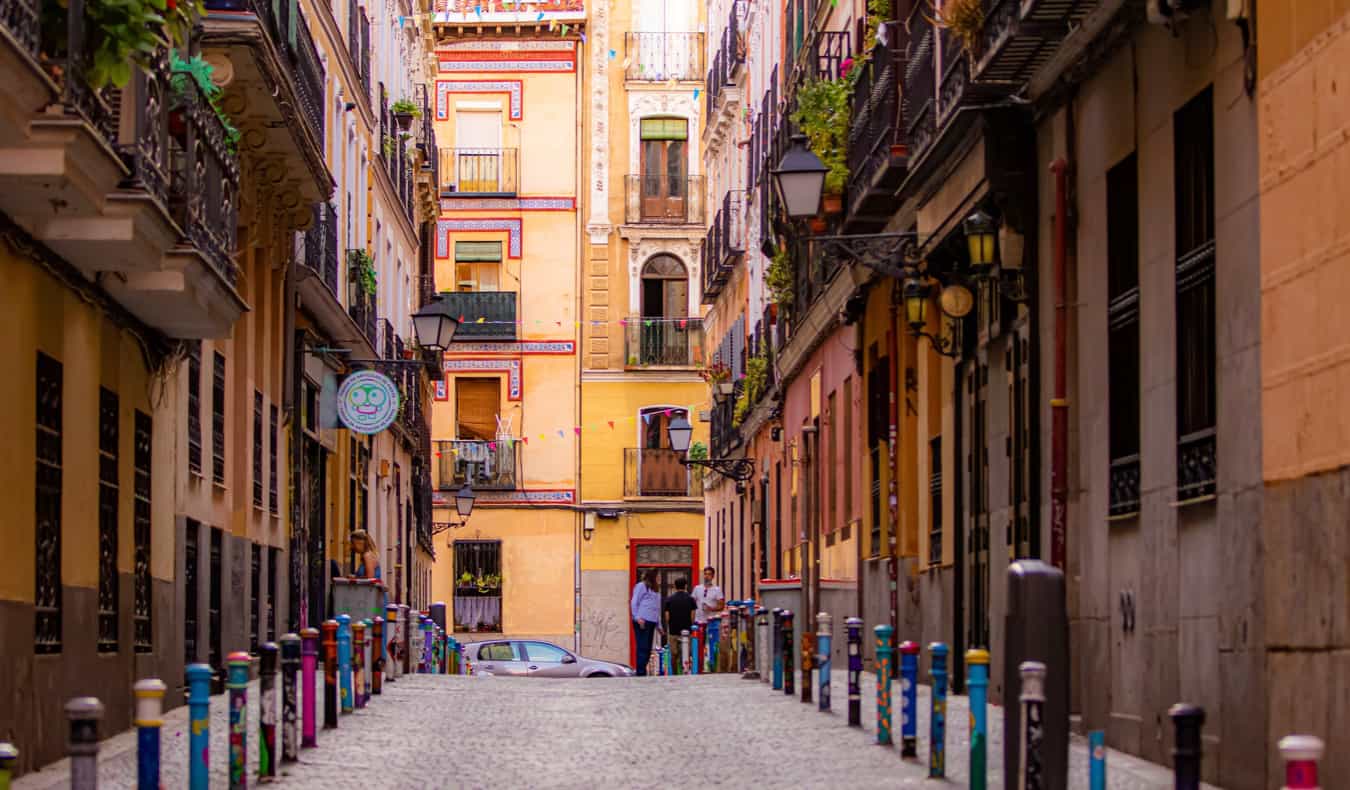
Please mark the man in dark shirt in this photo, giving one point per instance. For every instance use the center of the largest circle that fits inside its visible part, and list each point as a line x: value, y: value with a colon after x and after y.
x: 679, y: 616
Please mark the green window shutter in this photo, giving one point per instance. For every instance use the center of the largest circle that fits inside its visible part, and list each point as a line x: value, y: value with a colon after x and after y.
x: 478, y: 251
x: 664, y: 129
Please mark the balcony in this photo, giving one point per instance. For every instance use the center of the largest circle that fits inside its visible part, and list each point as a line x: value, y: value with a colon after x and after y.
x: 660, y: 200
x: 724, y: 246
x: 428, y: 173
x: 320, y: 251
x: 877, y: 157
x: 722, y: 94
x: 277, y: 82
x: 653, y: 342
x: 516, y: 13
x: 658, y: 473
x: 828, y: 51
x: 1020, y: 36
x: 479, y: 172
x: 487, y: 466
x: 361, y: 297
x: 660, y: 57
x: 483, y: 315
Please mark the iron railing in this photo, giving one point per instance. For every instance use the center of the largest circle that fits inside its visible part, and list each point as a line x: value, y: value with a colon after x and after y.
x: 658, y: 57
x: 875, y: 118
x: 62, y: 51
x: 662, y: 200
x: 361, y: 302
x: 918, y: 91
x: 22, y: 19
x: 1124, y: 486
x: 657, y: 472
x: 663, y: 342
x: 485, y: 465
x: 320, y: 250
x: 1197, y: 465
x: 479, y: 171
x: 724, y: 245
x: 828, y: 53
x: 483, y: 315
x: 204, y: 191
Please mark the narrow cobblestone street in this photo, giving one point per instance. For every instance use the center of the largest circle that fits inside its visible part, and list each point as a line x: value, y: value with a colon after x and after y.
x: 480, y: 732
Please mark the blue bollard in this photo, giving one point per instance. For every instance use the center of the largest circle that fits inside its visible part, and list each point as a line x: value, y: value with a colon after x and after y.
x: 713, y: 637
x: 149, y: 695
x: 937, y: 726
x: 909, y: 700
x: 696, y: 649
x: 977, y: 661
x: 883, y: 634
x: 776, y: 648
x: 199, y: 729
x: 1097, y: 760
x: 238, y: 662
x: 344, y: 645
x: 823, y: 639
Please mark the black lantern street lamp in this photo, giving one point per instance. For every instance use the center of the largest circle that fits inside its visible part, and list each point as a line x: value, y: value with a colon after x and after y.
x: 981, y: 232
x: 800, y: 179
x: 679, y: 431
x: 915, y: 293
x: 434, y: 325
x: 464, y: 501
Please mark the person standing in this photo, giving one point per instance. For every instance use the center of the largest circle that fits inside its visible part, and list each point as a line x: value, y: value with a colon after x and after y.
x: 679, y: 616
x: 645, y: 608
x: 708, y: 596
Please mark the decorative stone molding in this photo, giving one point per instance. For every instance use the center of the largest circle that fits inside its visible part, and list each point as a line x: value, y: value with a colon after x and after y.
x: 642, y: 249
x: 512, y: 88
x: 600, y: 154
x: 646, y: 104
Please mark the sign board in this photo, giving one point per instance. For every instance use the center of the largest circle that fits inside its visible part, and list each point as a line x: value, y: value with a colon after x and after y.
x: 367, y: 402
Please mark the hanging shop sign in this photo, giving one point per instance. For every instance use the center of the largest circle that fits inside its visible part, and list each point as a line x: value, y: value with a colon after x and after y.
x: 367, y: 402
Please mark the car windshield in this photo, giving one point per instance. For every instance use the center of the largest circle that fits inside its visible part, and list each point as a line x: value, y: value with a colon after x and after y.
x: 542, y: 651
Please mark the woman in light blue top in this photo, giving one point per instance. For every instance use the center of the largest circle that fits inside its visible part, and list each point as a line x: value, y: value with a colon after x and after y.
x: 645, y: 608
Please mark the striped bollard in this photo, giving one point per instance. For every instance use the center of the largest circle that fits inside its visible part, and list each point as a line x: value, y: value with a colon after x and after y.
x: 149, y: 695
x: 695, y: 647
x: 937, y: 724
x: 199, y: 725
x: 367, y: 659
x: 883, y: 635
x: 330, y: 677
x: 685, y: 665
x: 391, y: 662
x: 824, y: 637
x: 267, y: 710
x: 977, y: 663
x: 444, y: 643
x: 748, y: 669
x: 84, y: 714
x: 451, y: 655
x: 737, y: 632
x: 290, y: 687
x: 344, y: 663
x: 1301, y: 754
x: 8, y: 756
x: 763, y: 651
x: 463, y: 664
x: 358, y: 665
x: 309, y: 664
x: 909, y: 700
x: 1032, y: 699
x: 428, y: 648
x: 789, y: 675
x: 853, y: 634
x: 726, y: 647
x: 1097, y: 760
x: 377, y: 648
x: 776, y: 648
x: 1188, y: 751
x: 238, y: 687
x: 808, y: 643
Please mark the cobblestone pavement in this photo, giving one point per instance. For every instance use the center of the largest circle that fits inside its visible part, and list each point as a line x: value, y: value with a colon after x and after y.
x: 711, y: 730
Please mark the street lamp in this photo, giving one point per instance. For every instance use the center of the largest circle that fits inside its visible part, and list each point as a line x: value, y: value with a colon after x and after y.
x: 915, y: 292
x: 464, y: 501
x: 434, y: 326
x: 981, y: 231
x: 800, y: 179
x: 679, y: 432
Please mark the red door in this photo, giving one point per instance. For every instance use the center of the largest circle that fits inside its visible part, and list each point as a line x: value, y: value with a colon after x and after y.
x: 671, y: 559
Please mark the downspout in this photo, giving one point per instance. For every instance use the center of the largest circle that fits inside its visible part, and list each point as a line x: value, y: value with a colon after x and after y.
x: 582, y: 248
x: 1059, y: 403
x: 892, y: 492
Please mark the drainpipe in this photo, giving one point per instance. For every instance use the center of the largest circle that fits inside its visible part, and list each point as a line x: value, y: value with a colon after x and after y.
x: 1059, y: 403
x: 892, y: 498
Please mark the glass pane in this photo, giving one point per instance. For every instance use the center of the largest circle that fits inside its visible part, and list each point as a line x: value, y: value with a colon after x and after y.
x: 675, y: 156
x: 665, y: 555
x: 497, y: 651
x: 539, y: 651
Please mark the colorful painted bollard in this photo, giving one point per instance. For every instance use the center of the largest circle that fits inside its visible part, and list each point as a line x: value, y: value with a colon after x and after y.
x: 199, y: 725
x: 909, y: 700
x: 238, y: 687
x: 405, y: 637
x: 883, y: 646
x: 776, y: 648
x: 748, y: 669
x: 84, y: 714
x: 977, y: 666
x: 763, y: 653
x: 344, y: 663
x: 267, y: 709
x: 290, y: 687
x: 853, y: 634
x: 789, y: 675
x: 712, y: 635
x: 360, y: 687
x: 149, y: 695
x: 823, y: 648
x: 392, y: 663
x: 330, y: 676
x: 8, y: 756
x: 1097, y: 760
x: 428, y: 648
x: 1301, y: 754
x: 695, y: 648
x: 808, y: 647
x: 937, y: 724
x: 309, y: 664
x: 377, y: 653
x: 1032, y: 699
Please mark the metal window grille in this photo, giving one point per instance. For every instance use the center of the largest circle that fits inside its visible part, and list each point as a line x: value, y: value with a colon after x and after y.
x: 1122, y: 263
x: 273, y: 568
x: 107, y: 519
x: 194, y: 423
x: 274, y: 429
x: 190, y: 578
x: 143, y: 595
x: 218, y: 419
x: 257, y: 449
x: 214, y: 652
x: 255, y: 591
x: 935, y: 500
x: 47, y: 522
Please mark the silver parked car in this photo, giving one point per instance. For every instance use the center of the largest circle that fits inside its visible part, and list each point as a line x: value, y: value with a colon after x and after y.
x: 537, y: 659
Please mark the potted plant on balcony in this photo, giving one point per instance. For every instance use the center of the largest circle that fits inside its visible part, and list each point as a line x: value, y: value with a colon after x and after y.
x: 965, y: 18
x: 780, y: 280
x: 719, y: 376
x: 120, y: 37
x: 404, y: 111
x: 466, y: 581
x: 823, y: 115
x: 361, y: 271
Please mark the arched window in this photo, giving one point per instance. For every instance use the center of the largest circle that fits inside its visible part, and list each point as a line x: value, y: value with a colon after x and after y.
x: 662, y: 332
x: 665, y: 288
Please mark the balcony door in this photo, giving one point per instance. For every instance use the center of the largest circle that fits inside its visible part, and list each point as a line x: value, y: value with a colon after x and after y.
x: 664, y: 330
x: 665, y: 173
x: 660, y: 472
x: 478, y: 150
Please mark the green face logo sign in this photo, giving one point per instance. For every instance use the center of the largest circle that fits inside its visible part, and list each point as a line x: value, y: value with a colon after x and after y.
x: 367, y: 402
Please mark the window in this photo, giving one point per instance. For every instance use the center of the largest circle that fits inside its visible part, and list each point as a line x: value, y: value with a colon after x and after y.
x: 275, y: 431
x: 353, y: 475
x: 878, y: 431
x: 478, y: 585
x: 1122, y: 263
x: 363, y: 488
x: 195, y: 408
x: 192, y: 533
x: 255, y: 592
x: 107, y: 520
x: 257, y: 449
x: 778, y: 519
x: 664, y: 164
x: 218, y: 419
x: 47, y: 515
x: 478, y: 265
x: 1193, y: 146
x: 273, y: 568
x: 497, y: 651
x: 479, y: 164
x: 830, y: 473
x: 846, y: 452
x: 477, y: 404
x: 214, y: 652
x: 143, y: 594
x: 541, y: 652
x: 935, y: 500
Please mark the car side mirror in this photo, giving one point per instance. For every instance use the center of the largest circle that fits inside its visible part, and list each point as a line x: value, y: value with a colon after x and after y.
x: 569, y: 659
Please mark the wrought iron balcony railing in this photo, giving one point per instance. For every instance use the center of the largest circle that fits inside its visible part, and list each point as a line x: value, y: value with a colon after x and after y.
x: 479, y: 171
x: 724, y: 246
x: 1124, y: 486
x: 657, y: 472
x: 659, y: 57
x: 919, y: 87
x: 485, y: 465
x: 661, y: 200
x: 663, y: 342
x: 361, y: 301
x: 321, y: 248
x: 204, y: 186
x: 876, y: 150
x: 1197, y: 465
x: 483, y: 315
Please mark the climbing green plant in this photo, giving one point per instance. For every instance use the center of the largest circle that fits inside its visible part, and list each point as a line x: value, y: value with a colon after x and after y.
x: 199, y: 71
x: 698, y: 451
x: 361, y: 268
x: 406, y: 107
x: 779, y: 278
x: 823, y: 116
x: 120, y: 35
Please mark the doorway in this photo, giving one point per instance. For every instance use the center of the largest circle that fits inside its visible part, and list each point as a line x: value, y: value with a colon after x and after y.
x: 672, y: 560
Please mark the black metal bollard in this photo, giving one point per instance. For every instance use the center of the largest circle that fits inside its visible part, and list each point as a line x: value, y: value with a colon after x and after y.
x: 330, y: 675
x: 1037, y: 630
x: 854, y: 628
x: 788, y: 647
x: 267, y: 710
x: 1186, y: 755
x: 82, y: 746
x: 290, y: 670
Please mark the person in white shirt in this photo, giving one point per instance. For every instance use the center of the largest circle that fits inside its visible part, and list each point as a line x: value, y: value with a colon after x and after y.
x: 708, y: 596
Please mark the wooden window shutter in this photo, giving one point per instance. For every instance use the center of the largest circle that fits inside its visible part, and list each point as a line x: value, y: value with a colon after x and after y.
x: 477, y: 404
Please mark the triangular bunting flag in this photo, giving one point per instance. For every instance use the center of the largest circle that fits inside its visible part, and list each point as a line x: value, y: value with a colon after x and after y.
x: 578, y: 430
x: 611, y: 425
